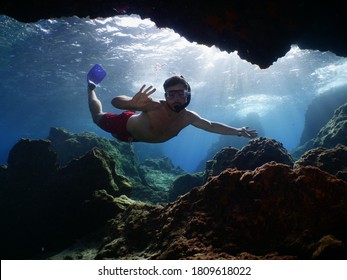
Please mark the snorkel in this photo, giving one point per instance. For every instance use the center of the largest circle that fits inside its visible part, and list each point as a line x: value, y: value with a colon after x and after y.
x: 174, y: 81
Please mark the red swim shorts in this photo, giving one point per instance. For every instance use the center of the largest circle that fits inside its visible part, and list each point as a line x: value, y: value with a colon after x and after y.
x: 117, y: 125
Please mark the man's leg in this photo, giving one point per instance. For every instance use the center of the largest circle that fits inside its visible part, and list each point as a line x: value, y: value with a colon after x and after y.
x: 95, y: 106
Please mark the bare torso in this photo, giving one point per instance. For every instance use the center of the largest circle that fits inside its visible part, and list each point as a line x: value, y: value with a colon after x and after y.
x: 158, y: 124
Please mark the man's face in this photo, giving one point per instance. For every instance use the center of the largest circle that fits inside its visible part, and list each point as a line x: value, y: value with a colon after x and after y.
x: 176, y: 97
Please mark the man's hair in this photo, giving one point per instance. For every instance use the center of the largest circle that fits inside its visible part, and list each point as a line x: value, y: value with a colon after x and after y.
x: 175, y: 80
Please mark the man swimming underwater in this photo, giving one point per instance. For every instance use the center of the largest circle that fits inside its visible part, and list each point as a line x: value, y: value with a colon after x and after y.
x: 159, y: 120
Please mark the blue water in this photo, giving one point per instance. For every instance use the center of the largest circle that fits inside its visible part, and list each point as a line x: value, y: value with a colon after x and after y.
x: 43, y: 69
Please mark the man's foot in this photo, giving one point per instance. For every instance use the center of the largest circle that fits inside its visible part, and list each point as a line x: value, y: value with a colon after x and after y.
x: 91, y: 87
x: 95, y: 75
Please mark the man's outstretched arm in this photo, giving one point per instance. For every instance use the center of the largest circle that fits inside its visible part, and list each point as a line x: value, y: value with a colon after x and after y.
x: 221, y: 128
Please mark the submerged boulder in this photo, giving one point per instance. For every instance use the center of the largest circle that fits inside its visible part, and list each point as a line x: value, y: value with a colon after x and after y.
x: 273, y: 212
x: 95, y: 170
x: 335, y: 131
x: 251, y: 119
x: 45, y: 208
x: 71, y: 146
x: 260, y: 151
x: 157, y: 176
x: 332, y: 160
x: 256, y: 153
x: 221, y: 161
x: 330, y: 135
x: 31, y: 161
x: 321, y: 110
x: 184, y: 184
x: 246, y: 209
x: 150, y: 180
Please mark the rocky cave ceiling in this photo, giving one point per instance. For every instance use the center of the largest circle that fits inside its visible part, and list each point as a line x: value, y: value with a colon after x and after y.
x: 260, y: 31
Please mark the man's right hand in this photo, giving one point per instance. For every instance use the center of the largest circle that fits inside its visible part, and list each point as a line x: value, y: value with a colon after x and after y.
x: 142, y: 98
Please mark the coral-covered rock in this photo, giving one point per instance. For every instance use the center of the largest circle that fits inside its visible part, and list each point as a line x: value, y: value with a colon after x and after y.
x: 320, y: 111
x: 184, y: 184
x: 332, y: 160
x: 150, y: 180
x: 332, y: 134
x: 95, y: 170
x: 258, y: 152
x: 46, y: 208
x: 335, y: 131
x: 31, y: 161
x: 329, y: 248
x: 164, y: 164
x: 157, y: 176
x: 254, y: 154
x: 71, y: 146
x: 272, y: 212
x: 221, y: 161
x: 251, y: 119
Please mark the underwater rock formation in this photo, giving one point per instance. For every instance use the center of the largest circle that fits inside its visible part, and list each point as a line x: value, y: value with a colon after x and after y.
x: 221, y: 161
x: 254, y: 154
x: 333, y: 161
x: 150, y: 179
x: 157, y: 176
x: 31, y: 162
x: 332, y: 134
x: 260, y: 31
x: 44, y: 207
x: 273, y: 212
x: 251, y: 119
x: 335, y: 131
x: 184, y: 184
x: 321, y: 110
x: 260, y: 151
x: 251, y: 156
x: 55, y: 204
x: 70, y: 146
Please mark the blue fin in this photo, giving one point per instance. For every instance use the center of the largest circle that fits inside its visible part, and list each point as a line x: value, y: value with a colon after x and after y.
x: 96, y: 74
